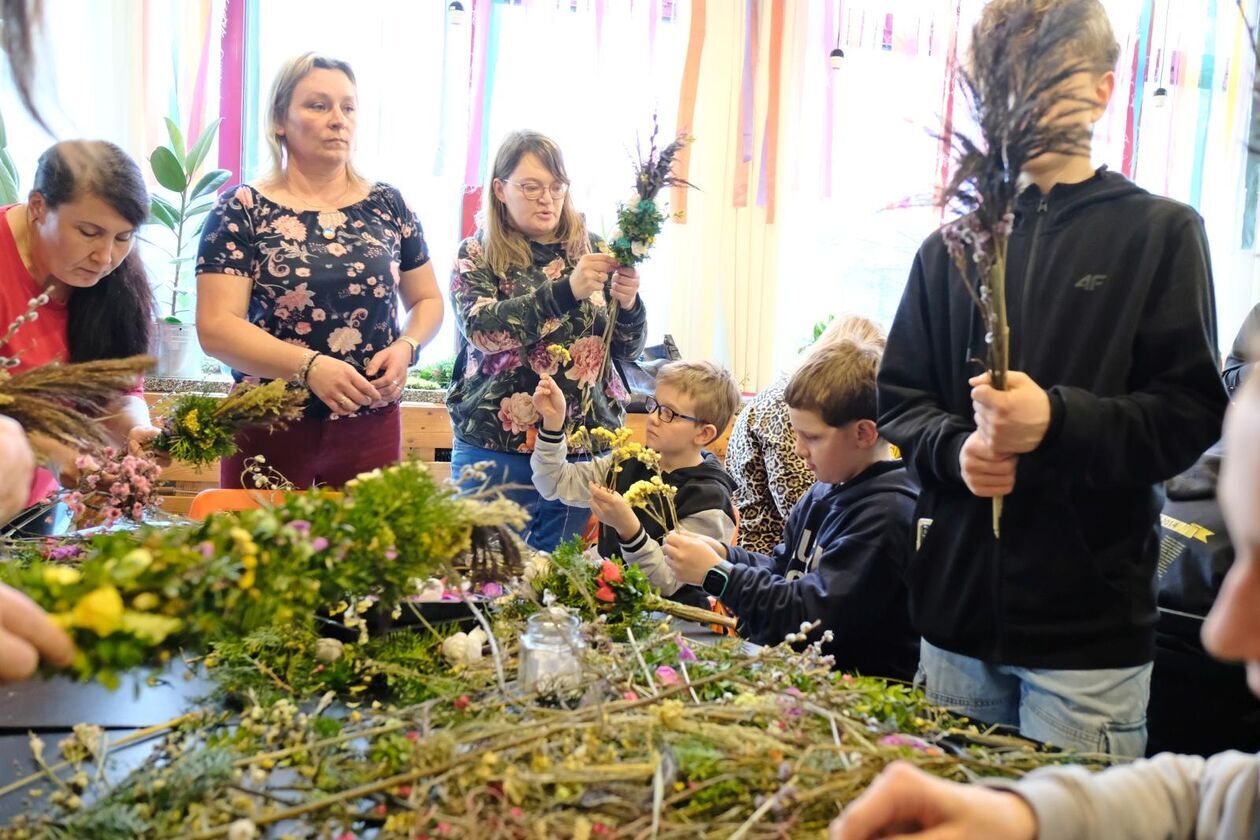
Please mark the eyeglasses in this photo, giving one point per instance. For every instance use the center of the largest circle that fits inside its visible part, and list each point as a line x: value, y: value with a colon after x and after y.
x: 668, y: 414
x: 534, y: 191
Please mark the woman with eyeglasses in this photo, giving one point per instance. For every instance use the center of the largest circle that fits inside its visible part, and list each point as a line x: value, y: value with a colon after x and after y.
x: 528, y: 290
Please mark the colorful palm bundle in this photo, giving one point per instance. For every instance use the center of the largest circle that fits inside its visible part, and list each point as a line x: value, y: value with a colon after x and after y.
x: 639, y: 222
x: 200, y: 429
x: 640, y: 219
x: 1020, y: 102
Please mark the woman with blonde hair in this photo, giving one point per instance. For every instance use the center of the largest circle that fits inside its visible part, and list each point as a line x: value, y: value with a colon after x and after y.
x: 528, y: 291
x: 299, y: 276
x: 770, y: 477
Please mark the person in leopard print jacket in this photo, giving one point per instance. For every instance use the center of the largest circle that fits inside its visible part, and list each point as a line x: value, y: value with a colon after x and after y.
x: 770, y: 478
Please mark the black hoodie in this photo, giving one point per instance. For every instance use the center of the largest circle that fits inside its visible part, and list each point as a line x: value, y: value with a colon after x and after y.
x: 841, y: 562
x: 1110, y: 297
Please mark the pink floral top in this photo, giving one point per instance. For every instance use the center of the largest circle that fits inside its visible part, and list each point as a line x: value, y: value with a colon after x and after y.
x: 327, y: 281
x: 508, y: 327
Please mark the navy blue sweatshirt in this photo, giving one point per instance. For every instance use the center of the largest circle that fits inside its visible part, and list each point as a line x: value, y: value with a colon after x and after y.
x: 1111, y: 308
x: 841, y: 562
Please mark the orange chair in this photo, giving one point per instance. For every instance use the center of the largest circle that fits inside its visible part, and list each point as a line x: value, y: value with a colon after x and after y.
x: 212, y: 501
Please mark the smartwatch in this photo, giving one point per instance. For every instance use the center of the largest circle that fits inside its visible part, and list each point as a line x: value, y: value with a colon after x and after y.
x: 716, y: 579
x: 415, y: 348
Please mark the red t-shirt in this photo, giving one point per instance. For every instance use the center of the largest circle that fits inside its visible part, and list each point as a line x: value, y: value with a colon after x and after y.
x: 36, y: 342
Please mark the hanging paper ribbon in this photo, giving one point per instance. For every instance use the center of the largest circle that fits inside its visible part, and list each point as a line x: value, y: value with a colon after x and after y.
x: 829, y: 103
x: 744, y: 149
x: 767, y: 187
x: 231, y: 90
x: 481, y: 71
x: 1207, y: 89
x: 687, y: 104
x: 196, y: 114
x: 944, y: 151
x: 1133, y: 122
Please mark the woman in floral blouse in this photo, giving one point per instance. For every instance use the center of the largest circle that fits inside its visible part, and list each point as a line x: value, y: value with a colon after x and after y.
x: 529, y: 293
x: 300, y: 276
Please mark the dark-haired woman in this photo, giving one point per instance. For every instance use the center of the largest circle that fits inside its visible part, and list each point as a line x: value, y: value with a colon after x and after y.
x: 73, y: 240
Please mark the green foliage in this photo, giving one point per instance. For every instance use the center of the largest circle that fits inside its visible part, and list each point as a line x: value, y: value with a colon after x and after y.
x: 136, y: 597
x: 436, y: 375
x: 820, y: 327
x: 184, y: 215
x: 9, y: 191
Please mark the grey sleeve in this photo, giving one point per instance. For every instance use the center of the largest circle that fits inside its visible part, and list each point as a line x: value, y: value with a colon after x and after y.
x: 557, y: 478
x: 646, y: 553
x: 1177, y: 797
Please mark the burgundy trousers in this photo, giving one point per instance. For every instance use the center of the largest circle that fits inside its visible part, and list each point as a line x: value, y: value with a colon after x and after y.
x: 328, y: 453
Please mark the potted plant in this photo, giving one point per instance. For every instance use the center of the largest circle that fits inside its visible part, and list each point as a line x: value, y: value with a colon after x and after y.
x: 8, y: 172
x: 175, y: 169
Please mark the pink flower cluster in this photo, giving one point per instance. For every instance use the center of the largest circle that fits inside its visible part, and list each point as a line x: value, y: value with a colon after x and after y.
x: 111, y: 486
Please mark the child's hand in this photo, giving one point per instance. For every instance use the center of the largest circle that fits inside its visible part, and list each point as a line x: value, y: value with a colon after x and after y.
x: 613, y: 510
x: 986, y: 473
x: 27, y: 635
x: 689, y: 556
x: 549, y: 402
x: 910, y: 803
x: 1013, y: 421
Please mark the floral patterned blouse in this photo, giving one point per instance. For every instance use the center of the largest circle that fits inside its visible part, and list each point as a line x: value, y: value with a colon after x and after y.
x: 323, y: 280
x: 506, y: 327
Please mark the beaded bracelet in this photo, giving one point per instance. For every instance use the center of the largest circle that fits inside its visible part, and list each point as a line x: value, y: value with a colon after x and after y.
x: 305, y: 371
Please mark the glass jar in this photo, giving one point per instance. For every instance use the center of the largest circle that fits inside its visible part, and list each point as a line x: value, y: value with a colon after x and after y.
x: 550, y: 650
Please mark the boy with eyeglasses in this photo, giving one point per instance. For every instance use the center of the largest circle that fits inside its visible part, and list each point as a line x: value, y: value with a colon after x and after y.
x: 841, y: 562
x: 694, y: 404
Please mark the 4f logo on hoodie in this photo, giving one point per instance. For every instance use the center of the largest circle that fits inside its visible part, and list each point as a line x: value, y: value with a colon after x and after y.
x: 1090, y: 282
x: 803, y: 561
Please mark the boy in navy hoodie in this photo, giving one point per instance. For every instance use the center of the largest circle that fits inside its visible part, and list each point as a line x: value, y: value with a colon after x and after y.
x: 1114, y: 389
x: 842, y: 558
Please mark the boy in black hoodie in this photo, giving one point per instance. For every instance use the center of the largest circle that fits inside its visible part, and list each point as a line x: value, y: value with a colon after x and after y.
x: 1114, y: 389
x: 694, y: 402
x: 842, y: 558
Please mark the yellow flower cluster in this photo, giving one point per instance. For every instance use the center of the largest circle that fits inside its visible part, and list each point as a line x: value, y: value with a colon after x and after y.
x: 191, y: 423
x: 616, y: 439
x: 249, y: 556
x: 560, y: 353
x: 641, y: 493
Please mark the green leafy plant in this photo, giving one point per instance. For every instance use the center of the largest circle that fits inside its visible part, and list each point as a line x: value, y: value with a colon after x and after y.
x: 175, y: 169
x: 8, y: 172
x: 820, y: 327
x: 436, y: 375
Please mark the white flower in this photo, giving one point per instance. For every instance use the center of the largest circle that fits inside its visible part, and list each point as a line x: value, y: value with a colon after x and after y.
x: 639, y: 249
x: 329, y: 650
x: 537, y: 567
x: 464, y: 648
x: 429, y: 590
x: 242, y: 829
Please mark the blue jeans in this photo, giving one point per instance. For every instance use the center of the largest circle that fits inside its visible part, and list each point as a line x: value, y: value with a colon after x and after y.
x: 551, y: 523
x: 1098, y: 710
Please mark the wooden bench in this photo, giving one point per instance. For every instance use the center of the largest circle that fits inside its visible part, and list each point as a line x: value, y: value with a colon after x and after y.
x: 426, y: 435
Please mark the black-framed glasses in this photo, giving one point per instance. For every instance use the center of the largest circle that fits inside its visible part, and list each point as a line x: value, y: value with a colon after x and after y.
x: 533, y: 191
x: 668, y: 414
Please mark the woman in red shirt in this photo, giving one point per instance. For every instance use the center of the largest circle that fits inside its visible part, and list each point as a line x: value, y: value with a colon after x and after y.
x: 73, y: 239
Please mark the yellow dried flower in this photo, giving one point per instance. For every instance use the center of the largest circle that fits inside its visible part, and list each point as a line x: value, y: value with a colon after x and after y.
x: 99, y: 611
x: 61, y: 576
x: 191, y: 423
x: 145, y: 601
